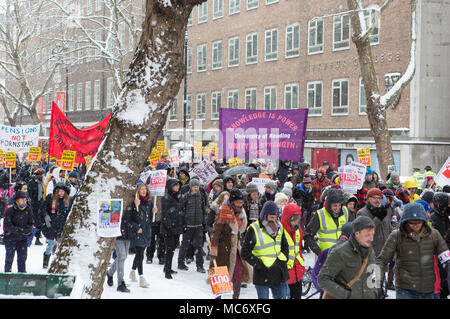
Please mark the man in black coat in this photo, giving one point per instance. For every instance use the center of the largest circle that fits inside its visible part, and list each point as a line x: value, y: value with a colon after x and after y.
x: 274, y: 276
x: 304, y: 197
x: 171, y: 222
x: 18, y: 227
x: 36, y: 193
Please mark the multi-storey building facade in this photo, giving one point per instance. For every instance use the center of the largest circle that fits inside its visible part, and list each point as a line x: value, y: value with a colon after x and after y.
x: 279, y: 54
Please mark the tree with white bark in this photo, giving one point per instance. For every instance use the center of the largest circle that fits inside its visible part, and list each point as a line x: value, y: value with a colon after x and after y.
x: 138, y: 115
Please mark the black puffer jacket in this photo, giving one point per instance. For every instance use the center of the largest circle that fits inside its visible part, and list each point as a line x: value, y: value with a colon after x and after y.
x: 440, y: 213
x: 171, y: 217
x: 193, y: 207
x: 58, y: 217
x: 18, y: 223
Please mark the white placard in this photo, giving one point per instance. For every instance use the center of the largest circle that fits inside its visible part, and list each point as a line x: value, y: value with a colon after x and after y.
x: 205, y: 172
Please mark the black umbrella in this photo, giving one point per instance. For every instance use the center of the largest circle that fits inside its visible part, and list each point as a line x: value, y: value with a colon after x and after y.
x: 240, y: 170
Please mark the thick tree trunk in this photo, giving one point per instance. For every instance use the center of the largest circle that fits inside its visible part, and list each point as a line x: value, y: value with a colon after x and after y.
x: 139, y: 114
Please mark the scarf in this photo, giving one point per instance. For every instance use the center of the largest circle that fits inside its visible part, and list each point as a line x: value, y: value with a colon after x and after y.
x: 364, y: 251
x: 271, y: 228
x: 424, y: 232
x: 143, y: 200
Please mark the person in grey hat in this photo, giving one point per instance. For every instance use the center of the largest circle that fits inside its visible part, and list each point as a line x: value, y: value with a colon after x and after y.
x: 345, y: 273
x: 193, y: 206
x: 393, y: 182
x: 270, y: 190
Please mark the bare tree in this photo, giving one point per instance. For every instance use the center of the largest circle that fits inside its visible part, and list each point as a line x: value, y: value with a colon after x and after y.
x: 377, y: 103
x: 138, y: 116
x: 22, y: 57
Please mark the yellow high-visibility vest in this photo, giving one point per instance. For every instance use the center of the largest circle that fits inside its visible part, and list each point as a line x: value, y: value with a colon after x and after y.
x: 294, y: 249
x: 328, y: 232
x: 267, y: 248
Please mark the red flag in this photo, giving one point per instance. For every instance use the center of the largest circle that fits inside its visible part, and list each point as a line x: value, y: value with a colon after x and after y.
x: 65, y: 136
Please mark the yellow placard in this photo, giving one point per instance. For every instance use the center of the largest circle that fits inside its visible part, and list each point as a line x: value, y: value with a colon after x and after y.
x: 198, y: 147
x: 364, y: 156
x: 88, y: 160
x: 160, y: 145
x: 68, y: 160
x: 34, y: 154
x: 219, y: 280
x: 10, y: 159
x: 2, y: 156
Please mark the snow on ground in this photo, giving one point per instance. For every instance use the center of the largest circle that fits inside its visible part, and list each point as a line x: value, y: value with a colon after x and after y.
x: 184, y: 285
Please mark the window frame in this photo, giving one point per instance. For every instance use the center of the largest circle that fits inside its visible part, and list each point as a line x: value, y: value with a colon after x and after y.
x: 214, y: 99
x: 217, y: 14
x: 253, y: 48
x: 320, y: 108
x: 253, y: 8
x: 341, y: 17
x: 295, y: 24
x: 251, y: 90
x: 204, y: 53
x: 333, y: 108
x: 217, y: 66
x: 322, y: 45
x: 202, y: 17
x: 275, y: 58
x: 270, y: 87
x: 234, y: 97
x: 235, y: 55
x: 173, y: 112
x: 295, y: 84
x: 237, y: 7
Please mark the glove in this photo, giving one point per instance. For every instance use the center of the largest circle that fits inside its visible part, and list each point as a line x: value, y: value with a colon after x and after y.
x: 47, y: 220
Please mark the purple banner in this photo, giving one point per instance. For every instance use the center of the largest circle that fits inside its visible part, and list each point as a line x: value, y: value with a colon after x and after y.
x: 274, y: 134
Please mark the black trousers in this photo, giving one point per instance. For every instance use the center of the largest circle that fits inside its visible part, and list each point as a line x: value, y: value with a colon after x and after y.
x: 139, y: 260
x: 13, y: 246
x: 170, y: 242
x: 296, y: 290
x: 156, y: 243
x: 194, y: 236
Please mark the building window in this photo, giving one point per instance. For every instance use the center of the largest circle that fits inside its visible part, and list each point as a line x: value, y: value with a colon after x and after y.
x: 201, y: 58
x: 233, y: 99
x: 201, y: 106
x: 79, y: 96
x: 189, y: 60
x: 315, y: 37
x: 97, y: 94
x: 371, y: 17
x: 202, y: 12
x: 271, y: 50
x: 188, y: 106
x: 235, y: 6
x: 71, y: 106
x: 191, y: 19
x: 87, y: 95
x: 109, y: 92
x: 270, y: 98
x: 252, y: 4
x: 340, y: 97
x: 250, y: 99
x: 173, y: 113
x: 217, y: 9
x: 121, y: 34
x: 341, y: 32
x: 233, y: 51
x: 362, y: 98
x: 271, y: 1
x: 251, y: 51
x: 314, y: 97
x: 291, y: 96
x: 293, y: 40
x: 216, y: 104
x: 217, y: 55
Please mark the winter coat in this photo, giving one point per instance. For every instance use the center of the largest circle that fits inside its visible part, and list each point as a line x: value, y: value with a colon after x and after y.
x: 414, y: 265
x: 193, y: 207
x: 125, y: 226
x: 282, y: 172
x: 56, y: 179
x: 319, y: 186
x: 305, y: 200
x: 36, y: 193
x: 262, y: 275
x: 382, y: 218
x: 297, y: 272
x: 247, y: 204
x: 226, y: 240
x: 58, y: 217
x: 342, y: 264
x: 141, y: 219
x: 393, y: 187
x: 18, y: 224
x: 171, y: 215
x: 369, y: 185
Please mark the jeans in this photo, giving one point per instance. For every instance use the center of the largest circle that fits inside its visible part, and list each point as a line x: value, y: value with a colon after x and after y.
x: 409, y: 294
x: 122, y: 247
x: 278, y: 292
x: 50, y: 244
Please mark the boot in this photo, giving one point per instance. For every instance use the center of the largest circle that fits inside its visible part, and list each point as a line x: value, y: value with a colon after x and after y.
x: 142, y: 282
x: 168, y: 274
x: 133, y: 276
x: 200, y: 269
x: 37, y: 242
x: 122, y: 287
x: 390, y: 281
x: 46, y: 260
x: 110, y: 280
x: 183, y: 267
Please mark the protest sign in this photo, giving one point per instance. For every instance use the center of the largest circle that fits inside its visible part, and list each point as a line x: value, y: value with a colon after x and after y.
x: 2, y: 156
x: 364, y: 156
x: 161, y: 145
x: 174, y: 159
x: 10, y: 159
x: 19, y: 139
x: 65, y: 136
x: 154, y: 157
x: 361, y: 170
x: 443, y: 177
x: 261, y: 183
x: 68, y: 160
x: 158, y: 182
x: 109, y: 217
x: 205, y: 172
x: 34, y: 154
x: 220, y: 282
x: 88, y: 160
x: 348, y: 179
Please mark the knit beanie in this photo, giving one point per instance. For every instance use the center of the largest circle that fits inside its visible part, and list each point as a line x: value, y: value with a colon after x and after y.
x: 369, y: 171
x: 218, y: 182
x: 361, y: 223
x: 374, y: 192
x: 269, y: 208
x: 251, y: 188
x: 394, y: 175
x: 272, y: 185
x: 287, y: 189
x: 194, y: 182
x: 279, y: 197
x: 427, y: 196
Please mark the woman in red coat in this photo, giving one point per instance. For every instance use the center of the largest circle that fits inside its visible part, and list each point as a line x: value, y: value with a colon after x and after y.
x: 291, y: 223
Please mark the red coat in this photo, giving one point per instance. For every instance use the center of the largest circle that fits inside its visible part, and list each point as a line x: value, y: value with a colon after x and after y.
x: 297, y: 272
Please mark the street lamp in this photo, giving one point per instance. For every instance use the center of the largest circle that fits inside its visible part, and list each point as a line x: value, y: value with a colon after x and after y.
x: 185, y: 90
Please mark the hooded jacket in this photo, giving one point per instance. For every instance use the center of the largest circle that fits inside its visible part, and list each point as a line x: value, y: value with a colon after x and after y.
x: 297, y: 272
x: 172, y: 216
x: 414, y: 266
x: 51, y: 185
x: 18, y: 224
x: 58, y: 216
x: 141, y: 219
x: 440, y: 214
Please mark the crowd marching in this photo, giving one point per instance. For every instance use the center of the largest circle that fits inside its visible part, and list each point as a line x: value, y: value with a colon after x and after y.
x: 401, y: 230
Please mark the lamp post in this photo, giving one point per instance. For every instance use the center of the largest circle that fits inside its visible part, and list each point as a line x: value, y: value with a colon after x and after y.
x: 185, y: 91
